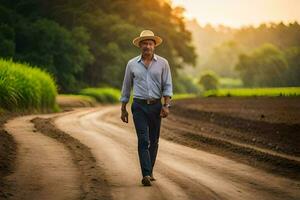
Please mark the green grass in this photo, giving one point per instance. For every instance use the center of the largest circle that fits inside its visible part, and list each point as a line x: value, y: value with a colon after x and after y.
x: 230, y: 83
x: 23, y: 87
x: 103, y: 95
x: 280, y: 91
x: 183, y: 96
x: 79, y: 97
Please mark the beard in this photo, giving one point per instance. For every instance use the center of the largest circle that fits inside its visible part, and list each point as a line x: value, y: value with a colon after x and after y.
x: 147, y: 51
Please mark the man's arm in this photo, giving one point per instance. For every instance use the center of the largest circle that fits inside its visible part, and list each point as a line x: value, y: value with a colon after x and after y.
x: 167, y: 90
x: 123, y: 107
x: 125, y: 94
x: 126, y: 88
x: 167, y: 84
x: 167, y: 99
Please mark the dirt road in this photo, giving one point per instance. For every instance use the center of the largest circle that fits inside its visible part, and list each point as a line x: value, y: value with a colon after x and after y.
x: 182, y: 172
x: 44, y: 169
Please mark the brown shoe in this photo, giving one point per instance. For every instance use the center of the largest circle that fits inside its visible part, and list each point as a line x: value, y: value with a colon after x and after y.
x: 146, y: 181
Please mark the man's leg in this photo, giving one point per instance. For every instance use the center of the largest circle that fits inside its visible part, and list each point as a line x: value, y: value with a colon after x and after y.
x: 154, y: 131
x: 141, y: 125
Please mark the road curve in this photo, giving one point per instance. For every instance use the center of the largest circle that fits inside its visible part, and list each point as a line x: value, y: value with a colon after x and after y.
x: 181, y: 172
x: 44, y: 167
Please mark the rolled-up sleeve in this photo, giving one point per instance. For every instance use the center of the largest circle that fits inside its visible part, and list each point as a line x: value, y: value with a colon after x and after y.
x: 167, y: 81
x: 127, y: 84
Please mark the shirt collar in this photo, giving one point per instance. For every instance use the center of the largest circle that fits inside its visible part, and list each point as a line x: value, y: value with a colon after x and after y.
x: 140, y: 58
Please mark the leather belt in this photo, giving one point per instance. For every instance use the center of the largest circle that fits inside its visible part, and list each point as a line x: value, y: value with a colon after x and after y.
x: 147, y: 101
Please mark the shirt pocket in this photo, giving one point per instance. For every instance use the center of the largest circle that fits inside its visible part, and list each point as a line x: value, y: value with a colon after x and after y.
x: 156, y: 75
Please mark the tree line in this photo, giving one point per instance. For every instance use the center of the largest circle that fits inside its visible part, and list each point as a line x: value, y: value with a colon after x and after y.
x: 267, y: 55
x: 88, y: 42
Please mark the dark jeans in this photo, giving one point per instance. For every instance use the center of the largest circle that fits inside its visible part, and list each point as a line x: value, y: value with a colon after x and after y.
x: 147, y: 123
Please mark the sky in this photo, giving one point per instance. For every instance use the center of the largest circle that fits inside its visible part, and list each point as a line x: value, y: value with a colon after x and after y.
x: 237, y: 13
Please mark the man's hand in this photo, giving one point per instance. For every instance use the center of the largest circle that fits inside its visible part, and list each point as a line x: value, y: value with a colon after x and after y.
x: 164, y: 112
x: 124, y: 115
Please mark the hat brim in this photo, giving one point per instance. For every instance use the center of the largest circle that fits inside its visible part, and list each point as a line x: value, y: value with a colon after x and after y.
x: 137, y: 40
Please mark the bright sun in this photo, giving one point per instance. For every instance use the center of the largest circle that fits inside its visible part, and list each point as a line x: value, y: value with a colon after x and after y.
x: 238, y: 13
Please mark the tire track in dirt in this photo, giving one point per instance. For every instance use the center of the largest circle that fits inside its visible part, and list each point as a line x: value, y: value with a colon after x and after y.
x: 181, y: 171
x: 120, y: 163
x: 44, y: 169
x: 92, y: 180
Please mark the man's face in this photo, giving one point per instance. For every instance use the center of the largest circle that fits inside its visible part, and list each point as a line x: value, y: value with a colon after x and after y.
x: 147, y: 46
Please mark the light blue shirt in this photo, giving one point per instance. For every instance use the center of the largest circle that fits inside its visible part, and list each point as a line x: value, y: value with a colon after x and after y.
x: 152, y: 82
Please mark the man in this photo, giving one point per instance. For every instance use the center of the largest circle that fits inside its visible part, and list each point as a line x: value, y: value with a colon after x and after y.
x: 150, y: 76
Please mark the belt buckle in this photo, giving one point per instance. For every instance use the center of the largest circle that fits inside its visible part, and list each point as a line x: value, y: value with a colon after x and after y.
x: 148, y: 101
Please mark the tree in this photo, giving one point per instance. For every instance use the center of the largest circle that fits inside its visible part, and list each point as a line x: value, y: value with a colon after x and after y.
x: 88, y: 42
x: 281, y: 35
x: 223, y: 59
x: 7, y: 44
x: 63, y: 53
x: 264, y: 67
x: 209, y: 80
x: 292, y: 75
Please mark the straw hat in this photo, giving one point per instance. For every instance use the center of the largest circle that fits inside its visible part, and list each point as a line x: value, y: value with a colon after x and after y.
x: 147, y: 35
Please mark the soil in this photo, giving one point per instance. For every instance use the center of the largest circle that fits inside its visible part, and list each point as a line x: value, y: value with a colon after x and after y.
x: 92, y: 178
x: 265, y: 131
x: 210, y: 148
x: 8, y: 149
x: 232, y: 127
